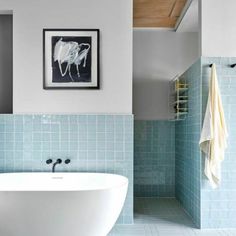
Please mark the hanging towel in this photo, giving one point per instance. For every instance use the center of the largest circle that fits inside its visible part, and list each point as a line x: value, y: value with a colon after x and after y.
x: 213, y: 141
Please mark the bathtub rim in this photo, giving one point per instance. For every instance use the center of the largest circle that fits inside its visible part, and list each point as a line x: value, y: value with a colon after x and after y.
x: 125, y: 182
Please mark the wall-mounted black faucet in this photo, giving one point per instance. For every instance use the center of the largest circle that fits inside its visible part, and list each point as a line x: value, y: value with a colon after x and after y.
x: 58, y: 161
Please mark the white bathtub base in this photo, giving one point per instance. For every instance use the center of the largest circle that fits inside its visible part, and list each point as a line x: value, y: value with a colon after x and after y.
x: 60, y: 213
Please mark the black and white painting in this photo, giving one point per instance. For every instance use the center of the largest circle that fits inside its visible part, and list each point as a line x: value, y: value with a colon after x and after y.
x: 71, y: 58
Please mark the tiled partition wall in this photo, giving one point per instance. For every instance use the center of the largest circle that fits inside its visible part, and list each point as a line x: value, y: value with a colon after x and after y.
x: 154, y: 159
x: 210, y: 208
x: 94, y: 143
x: 219, y: 205
x: 188, y: 161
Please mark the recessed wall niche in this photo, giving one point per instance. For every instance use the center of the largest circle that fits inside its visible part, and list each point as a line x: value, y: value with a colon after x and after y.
x: 6, y: 64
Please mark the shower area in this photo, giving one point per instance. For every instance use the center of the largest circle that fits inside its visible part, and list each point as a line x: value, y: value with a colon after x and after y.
x: 166, y: 177
x: 169, y: 183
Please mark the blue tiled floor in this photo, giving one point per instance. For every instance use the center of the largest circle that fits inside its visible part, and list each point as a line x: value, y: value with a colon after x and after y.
x: 163, y: 217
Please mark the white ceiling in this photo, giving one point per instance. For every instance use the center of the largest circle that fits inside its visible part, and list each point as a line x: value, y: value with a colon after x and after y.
x: 189, y: 21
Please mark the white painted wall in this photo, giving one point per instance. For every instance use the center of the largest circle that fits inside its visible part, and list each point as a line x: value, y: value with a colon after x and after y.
x: 5, y: 63
x: 190, y: 20
x: 112, y: 17
x: 218, y: 28
x: 157, y: 57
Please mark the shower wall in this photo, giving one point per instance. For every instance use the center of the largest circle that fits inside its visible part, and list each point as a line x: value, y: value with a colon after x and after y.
x: 188, y: 162
x: 203, y: 203
x: 222, y: 201
x: 154, y: 159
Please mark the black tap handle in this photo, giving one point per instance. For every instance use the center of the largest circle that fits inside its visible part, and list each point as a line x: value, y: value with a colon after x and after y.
x: 49, y: 161
x: 67, y: 161
x: 59, y: 161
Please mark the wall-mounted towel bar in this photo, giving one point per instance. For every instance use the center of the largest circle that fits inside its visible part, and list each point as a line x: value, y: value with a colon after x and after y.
x: 232, y: 65
x: 178, y: 98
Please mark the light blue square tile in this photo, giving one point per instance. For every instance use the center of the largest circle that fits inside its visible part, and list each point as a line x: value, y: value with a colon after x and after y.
x: 64, y: 146
x: 83, y: 146
x: 92, y: 145
x: 110, y: 156
x: 2, y: 127
x: 101, y: 155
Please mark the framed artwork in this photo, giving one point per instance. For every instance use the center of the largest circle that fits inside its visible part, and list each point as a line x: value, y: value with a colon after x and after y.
x: 71, y: 58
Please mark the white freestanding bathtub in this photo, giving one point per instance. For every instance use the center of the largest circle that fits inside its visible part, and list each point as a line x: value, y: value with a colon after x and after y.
x: 60, y: 204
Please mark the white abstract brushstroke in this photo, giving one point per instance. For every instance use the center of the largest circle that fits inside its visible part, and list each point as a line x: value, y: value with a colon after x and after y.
x: 70, y: 53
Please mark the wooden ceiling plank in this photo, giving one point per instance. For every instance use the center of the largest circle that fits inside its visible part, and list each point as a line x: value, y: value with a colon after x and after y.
x: 172, y: 9
x: 168, y: 22
x: 157, y: 13
x: 153, y: 9
x: 178, y: 8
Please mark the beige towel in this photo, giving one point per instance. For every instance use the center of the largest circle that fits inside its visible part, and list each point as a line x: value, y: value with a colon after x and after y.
x: 214, y: 132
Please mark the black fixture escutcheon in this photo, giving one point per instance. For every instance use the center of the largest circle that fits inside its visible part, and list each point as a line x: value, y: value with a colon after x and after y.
x: 49, y: 161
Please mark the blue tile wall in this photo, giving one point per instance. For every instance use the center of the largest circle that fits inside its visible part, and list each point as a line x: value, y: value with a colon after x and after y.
x: 188, y: 156
x: 219, y: 205
x: 209, y: 208
x: 154, y: 159
x: 94, y: 143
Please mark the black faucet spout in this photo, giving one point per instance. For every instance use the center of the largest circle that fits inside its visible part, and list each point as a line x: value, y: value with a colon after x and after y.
x: 59, y: 161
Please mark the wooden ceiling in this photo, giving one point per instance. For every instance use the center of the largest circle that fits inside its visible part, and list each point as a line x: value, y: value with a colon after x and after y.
x: 157, y: 13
